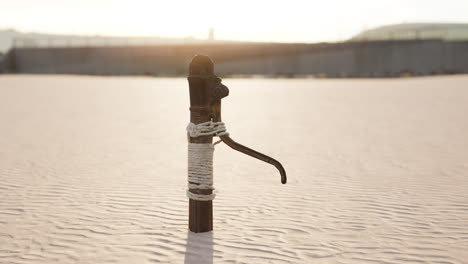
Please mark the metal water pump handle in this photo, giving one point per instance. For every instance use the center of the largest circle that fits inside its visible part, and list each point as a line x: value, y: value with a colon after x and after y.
x: 219, y: 91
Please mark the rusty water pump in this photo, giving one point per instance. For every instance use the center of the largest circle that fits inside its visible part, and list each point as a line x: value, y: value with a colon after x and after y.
x: 206, y: 92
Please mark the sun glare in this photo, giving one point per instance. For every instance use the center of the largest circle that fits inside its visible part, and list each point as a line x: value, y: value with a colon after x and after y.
x: 291, y: 21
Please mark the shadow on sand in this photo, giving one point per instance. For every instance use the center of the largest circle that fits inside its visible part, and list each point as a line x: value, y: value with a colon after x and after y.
x: 199, y: 248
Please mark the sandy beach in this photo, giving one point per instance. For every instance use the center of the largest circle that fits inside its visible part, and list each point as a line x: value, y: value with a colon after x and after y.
x: 94, y: 170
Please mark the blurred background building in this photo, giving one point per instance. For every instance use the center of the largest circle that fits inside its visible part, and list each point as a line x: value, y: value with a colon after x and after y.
x: 416, y: 31
x: 389, y: 51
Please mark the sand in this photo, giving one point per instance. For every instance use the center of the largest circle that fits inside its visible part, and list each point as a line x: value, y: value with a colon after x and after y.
x: 93, y: 170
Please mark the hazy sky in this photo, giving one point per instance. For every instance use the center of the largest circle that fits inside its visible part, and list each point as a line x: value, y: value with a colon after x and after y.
x: 289, y: 21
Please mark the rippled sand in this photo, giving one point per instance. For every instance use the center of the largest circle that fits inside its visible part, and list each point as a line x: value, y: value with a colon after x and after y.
x: 93, y: 170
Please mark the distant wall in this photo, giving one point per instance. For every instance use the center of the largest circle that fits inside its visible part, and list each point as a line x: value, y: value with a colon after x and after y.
x: 349, y: 59
x: 2, y: 63
x: 370, y: 59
